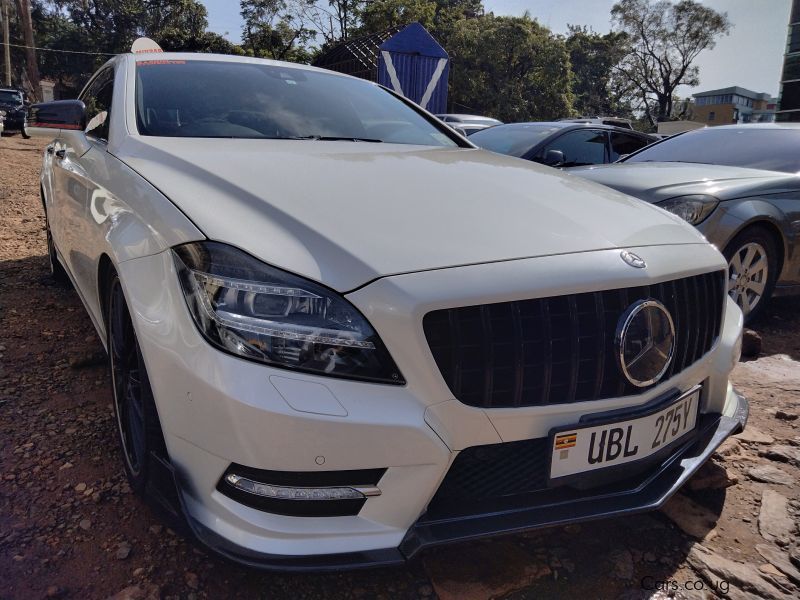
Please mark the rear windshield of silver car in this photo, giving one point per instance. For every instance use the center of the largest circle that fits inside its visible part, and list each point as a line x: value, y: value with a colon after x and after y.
x: 757, y: 148
x: 514, y: 140
x: 223, y: 99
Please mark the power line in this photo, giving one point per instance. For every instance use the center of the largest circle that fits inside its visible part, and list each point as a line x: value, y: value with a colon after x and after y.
x: 63, y: 51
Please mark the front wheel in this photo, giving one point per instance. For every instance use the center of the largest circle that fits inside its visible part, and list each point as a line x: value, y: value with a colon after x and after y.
x: 752, y: 270
x: 137, y: 420
x: 24, y: 130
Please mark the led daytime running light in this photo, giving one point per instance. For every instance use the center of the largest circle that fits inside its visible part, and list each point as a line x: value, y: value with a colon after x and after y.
x: 280, y: 492
x: 248, y: 286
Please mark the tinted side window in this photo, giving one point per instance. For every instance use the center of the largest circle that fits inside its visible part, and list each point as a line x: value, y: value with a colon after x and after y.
x: 622, y: 143
x: 583, y: 147
x: 97, y: 99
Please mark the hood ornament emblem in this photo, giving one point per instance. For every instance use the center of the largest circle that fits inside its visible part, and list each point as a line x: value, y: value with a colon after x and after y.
x: 633, y: 260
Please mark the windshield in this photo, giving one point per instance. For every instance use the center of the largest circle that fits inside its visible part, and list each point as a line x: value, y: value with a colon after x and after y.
x: 514, y: 140
x: 244, y: 100
x: 10, y: 96
x: 770, y: 149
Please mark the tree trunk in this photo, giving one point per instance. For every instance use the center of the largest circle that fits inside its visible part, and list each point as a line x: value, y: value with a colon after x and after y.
x: 24, y: 12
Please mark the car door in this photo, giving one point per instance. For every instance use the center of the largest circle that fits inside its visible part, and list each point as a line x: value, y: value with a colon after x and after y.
x: 78, y: 186
x: 579, y: 146
x: 626, y: 143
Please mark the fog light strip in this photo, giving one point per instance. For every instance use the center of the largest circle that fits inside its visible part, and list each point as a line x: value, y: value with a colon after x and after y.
x: 300, y: 493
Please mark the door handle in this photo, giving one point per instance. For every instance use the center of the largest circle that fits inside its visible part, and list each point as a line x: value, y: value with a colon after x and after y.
x: 61, y: 153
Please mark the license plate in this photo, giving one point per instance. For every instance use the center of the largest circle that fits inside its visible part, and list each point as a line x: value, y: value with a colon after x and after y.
x: 589, y: 448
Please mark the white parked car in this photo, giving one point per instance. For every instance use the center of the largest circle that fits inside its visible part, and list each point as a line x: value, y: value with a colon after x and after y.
x: 339, y: 333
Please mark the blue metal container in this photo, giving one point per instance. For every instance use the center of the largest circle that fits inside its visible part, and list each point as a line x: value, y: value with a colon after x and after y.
x: 413, y: 64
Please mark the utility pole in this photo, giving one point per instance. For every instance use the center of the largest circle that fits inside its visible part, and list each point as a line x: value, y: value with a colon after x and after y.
x: 7, y: 48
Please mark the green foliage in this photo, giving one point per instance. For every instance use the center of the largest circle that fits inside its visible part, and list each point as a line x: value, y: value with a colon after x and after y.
x: 272, y: 30
x: 383, y: 14
x: 511, y: 68
x: 593, y: 58
x: 665, y: 40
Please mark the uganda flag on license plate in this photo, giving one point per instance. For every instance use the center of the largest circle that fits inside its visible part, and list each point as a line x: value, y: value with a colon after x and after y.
x: 565, y: 440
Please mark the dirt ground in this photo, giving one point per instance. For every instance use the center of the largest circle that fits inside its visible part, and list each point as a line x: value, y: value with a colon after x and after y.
x: 69, y: 526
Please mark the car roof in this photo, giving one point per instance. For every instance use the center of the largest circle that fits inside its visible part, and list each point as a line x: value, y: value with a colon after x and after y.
x: 746, y: 126
x: 468, y: 117
x: 571, y: 125
x: 229, y: 58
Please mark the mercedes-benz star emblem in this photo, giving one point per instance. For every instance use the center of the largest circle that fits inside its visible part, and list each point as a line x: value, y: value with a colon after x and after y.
x: 634, y: 260
x: 645, y: 342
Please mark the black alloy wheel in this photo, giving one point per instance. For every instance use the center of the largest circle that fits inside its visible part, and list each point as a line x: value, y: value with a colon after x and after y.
x: 134, y: 408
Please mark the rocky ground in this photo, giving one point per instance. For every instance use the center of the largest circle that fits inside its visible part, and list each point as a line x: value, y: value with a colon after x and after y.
x: 70, y: 528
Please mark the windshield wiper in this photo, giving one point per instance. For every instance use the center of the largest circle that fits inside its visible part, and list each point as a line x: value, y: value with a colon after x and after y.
x: 333, y: 138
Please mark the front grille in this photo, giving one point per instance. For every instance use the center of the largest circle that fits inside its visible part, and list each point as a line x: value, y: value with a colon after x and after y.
x: 561, y: 349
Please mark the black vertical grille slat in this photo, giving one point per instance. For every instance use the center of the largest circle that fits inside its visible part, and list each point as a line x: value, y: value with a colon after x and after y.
x: 575, y: 348
x: 600, y: 315
x: 547, y: 347
x: 622, y: 383
x: 561, y: 349
x: 694, y: 303
x: 690, y: 323
x: 519, y: 353
x: 708, y: 311
x: 675, y: 308
x: 488, y: 349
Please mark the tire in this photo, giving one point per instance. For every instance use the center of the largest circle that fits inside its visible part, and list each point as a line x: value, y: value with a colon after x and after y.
x: 57, y: 270
x: 138, y: 426
x: 752, y: 270
x: 24, y: 129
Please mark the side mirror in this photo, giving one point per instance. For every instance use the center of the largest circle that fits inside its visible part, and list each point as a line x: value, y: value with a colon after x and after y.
x: 553, y: 158
x: 47, y: 118
x: 63, y: 119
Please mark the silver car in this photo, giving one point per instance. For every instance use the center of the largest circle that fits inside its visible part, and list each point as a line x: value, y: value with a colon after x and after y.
x: 740, y: 186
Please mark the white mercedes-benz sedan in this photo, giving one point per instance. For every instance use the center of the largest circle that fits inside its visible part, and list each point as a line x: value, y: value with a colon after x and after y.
x: 339, y: 333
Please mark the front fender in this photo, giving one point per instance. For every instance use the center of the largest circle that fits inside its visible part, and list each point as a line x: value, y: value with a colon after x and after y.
x: 737, y: 215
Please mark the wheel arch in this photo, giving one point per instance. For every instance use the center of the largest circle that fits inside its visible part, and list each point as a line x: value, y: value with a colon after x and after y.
x: 775, y: 232
x: 105, y: 268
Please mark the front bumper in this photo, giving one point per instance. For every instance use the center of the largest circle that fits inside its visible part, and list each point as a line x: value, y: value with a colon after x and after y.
x: 612, y: 501
x: 14, y: 122
x: 216, y: 409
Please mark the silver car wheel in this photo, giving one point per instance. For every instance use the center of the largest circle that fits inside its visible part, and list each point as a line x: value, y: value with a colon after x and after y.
x: 748, y: 272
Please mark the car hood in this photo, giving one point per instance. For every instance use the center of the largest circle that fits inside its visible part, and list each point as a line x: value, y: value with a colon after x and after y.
x: 346, y: 213
x: 657, y: 181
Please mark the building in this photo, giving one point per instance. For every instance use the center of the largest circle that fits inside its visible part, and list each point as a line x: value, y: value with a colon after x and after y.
x: 406, y: 59
x: 789, y: 104
x: 733, y: 105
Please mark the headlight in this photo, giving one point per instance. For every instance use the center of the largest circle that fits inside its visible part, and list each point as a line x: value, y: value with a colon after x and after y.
x: 694, y: 208
x: 255, y: 311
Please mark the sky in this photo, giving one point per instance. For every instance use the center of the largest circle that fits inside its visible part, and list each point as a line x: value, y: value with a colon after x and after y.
x: 751, y: 56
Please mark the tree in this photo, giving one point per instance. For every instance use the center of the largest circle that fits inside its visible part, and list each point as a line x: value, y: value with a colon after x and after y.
x: 665, y: 40
x: 380, y: 15
x: 511, y: 68
x: 32, y: 67
x: 335, y: 20
x: 593, y: 58
x: 274, y: 29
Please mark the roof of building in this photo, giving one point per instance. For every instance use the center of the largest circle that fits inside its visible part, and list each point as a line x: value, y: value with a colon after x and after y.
x: 740, y: 91
x: 357, y: 56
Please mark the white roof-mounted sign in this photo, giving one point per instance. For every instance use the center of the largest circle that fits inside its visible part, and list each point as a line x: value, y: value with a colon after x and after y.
x: 144, y: 45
